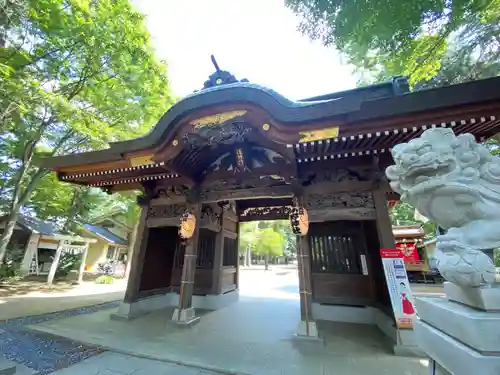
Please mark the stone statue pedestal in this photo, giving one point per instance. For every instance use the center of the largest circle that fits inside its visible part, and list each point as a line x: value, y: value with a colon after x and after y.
x: 461, y: 333
x: 485, y: 298
x: 184, y: 317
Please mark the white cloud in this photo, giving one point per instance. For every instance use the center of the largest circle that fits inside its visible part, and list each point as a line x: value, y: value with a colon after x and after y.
x: 253, y: 39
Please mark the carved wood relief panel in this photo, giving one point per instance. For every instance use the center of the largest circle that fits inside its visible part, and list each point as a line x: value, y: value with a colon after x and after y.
x: 339, y: 200
x: 166, y: 211
x: 265, y: 213
x: 170, y: 215
x: 337, y: 206
x: 318, y: 175
x: 211, y: 217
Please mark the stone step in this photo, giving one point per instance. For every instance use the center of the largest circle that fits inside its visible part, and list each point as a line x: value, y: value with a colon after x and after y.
x: 7, y: 367
x: 452, y: 355
x: 478, y: 329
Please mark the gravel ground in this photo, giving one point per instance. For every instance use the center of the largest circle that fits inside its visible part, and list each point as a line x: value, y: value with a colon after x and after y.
x: 43, y: 352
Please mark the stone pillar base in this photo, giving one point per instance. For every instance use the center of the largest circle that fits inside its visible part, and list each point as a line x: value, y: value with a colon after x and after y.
x: 462, y: 339
x: 311, y: 335
x: 184, y: 317
x: 132, y: 310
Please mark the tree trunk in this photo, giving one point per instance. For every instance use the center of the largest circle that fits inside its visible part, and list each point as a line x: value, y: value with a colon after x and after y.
x: 248, y: 257
x: 16, y: 204
x: 131, y: 245
x: 10, y: 224
x: 19, y: 197
x: 55, y: 263
x: 266, y: 261
x: 18, y: 201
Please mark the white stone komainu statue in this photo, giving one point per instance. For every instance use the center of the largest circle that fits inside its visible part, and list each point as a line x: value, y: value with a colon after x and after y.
x: 455, y: 182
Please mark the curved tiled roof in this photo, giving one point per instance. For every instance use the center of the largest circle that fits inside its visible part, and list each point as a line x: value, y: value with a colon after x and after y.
x: 350, y: 107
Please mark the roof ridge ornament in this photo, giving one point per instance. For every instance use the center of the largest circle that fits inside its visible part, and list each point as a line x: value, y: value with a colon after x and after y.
x: 220, y: 77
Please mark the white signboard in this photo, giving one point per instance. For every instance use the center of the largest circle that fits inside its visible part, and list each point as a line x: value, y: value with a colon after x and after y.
x: 364, y: 266
x: 399, y: 287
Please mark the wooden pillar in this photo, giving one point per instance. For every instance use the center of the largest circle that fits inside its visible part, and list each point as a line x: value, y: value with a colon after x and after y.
x: 307, y: 327
x: 386, y: 239
x: 138, y: 255
x: 184, y: 314
x: 131, y: 243
x: 189, y: 267
x: 305, y: 287
x: 55, y: 263
x: 218, y: 260
x: 384, y: 226
x: 237, y: 276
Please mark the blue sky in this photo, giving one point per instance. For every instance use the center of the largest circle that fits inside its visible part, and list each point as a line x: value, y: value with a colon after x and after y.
x: 253, y: 39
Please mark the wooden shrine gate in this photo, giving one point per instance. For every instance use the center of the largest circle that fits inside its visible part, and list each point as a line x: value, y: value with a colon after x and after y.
x: 236, y: 151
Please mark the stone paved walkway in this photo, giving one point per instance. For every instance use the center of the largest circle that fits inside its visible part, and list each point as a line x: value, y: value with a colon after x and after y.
x: 252, y: 337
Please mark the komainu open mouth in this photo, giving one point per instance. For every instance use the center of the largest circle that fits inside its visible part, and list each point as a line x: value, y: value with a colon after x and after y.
x: 420, y: 174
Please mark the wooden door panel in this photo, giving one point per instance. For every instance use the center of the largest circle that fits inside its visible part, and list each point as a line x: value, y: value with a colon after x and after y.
x: 338, y: 274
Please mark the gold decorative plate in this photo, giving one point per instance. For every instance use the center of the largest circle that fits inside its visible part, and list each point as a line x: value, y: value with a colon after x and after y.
x: 319, y: 135
x: 216, y: 119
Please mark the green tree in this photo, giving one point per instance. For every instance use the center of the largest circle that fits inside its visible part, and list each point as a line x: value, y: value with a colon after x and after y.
x: 66, y: 204
x: 404, y: 214
x: 246, y: 240
x: 269, y: 242
x: 396, y: 37
x: 265, y: 238
x: 473, y: 53
x: 79, y: 74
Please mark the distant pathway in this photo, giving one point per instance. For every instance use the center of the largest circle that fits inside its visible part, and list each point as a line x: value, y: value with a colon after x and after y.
x: 43, y: 352
x: 45, y: 301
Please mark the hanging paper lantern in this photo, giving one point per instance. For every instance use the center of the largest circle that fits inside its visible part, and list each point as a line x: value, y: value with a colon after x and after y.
x: 299, y: 221
x: 187, y: 225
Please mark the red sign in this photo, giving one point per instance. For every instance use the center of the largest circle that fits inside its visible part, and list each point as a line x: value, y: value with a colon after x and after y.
x: 391, y: 253
x: 409, y: 251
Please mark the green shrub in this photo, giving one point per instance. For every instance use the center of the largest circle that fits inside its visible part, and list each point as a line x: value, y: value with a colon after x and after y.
x: 8, y: 272
x: 10, y: 267
x: 67, y: 262
x: 104, y: 279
